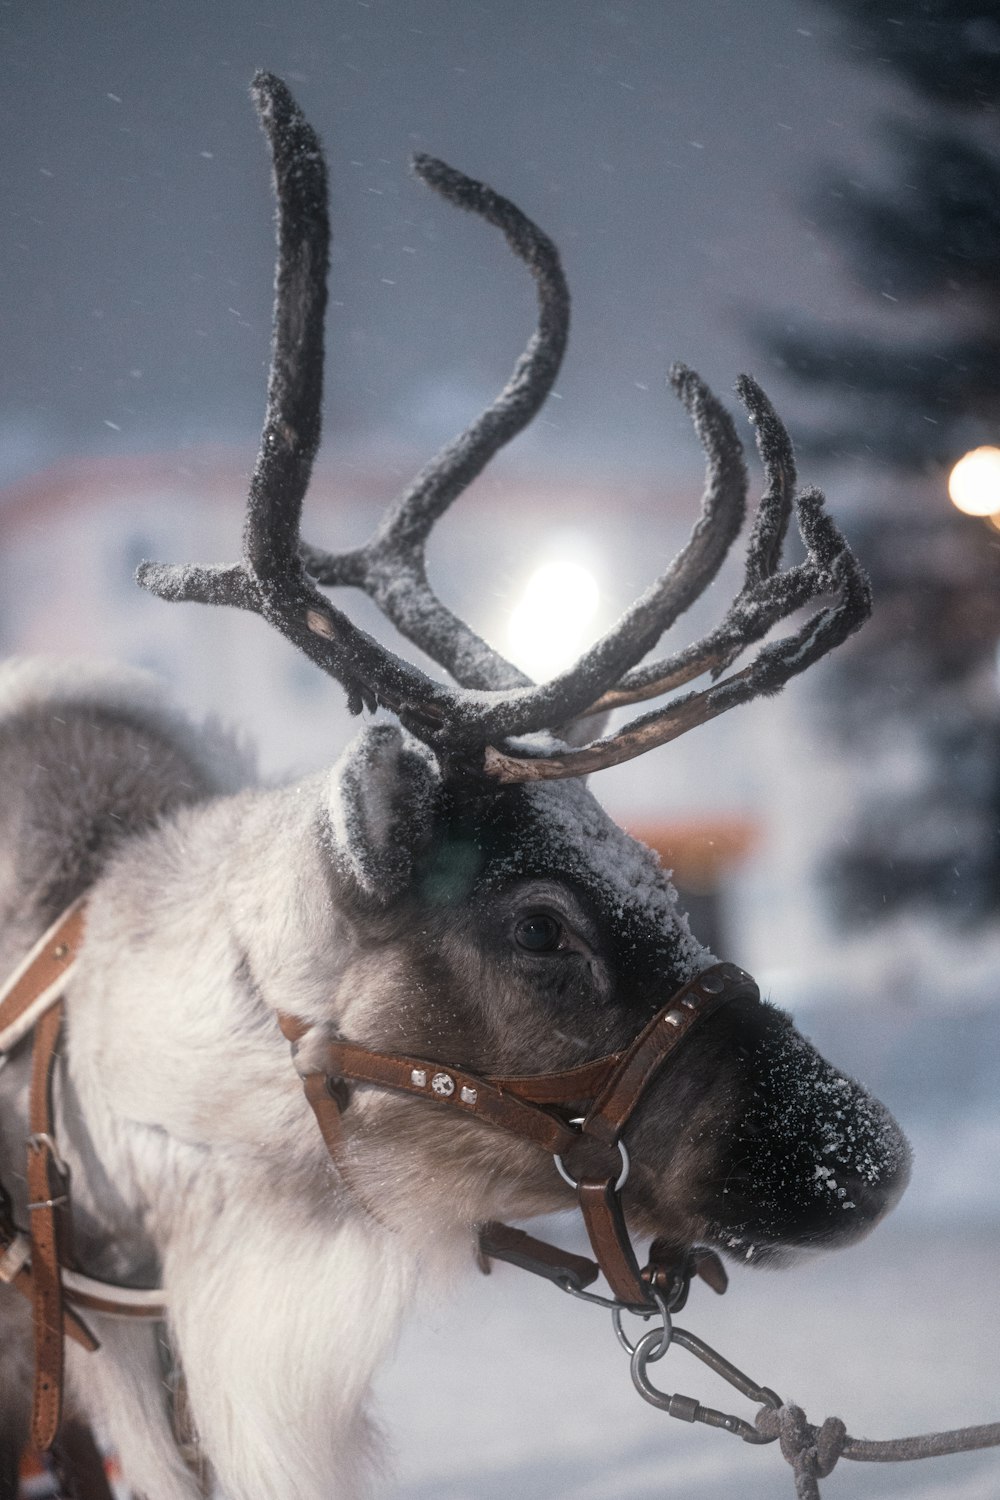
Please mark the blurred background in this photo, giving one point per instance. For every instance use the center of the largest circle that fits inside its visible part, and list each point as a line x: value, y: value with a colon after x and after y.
x: 807, y: 189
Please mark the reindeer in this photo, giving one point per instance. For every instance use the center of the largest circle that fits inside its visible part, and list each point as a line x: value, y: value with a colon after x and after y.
x: 464, y: 952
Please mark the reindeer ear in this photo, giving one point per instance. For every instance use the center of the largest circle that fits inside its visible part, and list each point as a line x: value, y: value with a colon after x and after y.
x: 381, y: 806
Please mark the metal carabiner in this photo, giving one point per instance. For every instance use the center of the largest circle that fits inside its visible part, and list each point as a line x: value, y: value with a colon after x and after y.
x: 686, y: 1408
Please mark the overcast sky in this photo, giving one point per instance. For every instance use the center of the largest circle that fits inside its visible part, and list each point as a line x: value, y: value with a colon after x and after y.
x: 663, y: 144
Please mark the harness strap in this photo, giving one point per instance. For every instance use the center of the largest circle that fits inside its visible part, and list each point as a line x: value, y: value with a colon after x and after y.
x: 36, y: 1263
x: 47, y: 1203
x: 38, y: 981
x: 31, y: 998
x: 599, y: 1199
x: 700, y: 998
x: 484, y: 1098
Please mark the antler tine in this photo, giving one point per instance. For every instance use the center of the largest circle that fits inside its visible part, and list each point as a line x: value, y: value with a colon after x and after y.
x: 461, y: 460
x: 293, y: 420
x: 756, y: 608
x: 391, y: 568
x: 270, y: 580
x: 295, y: 383
x: 778, y: 458
x: 574, y: 692
x: 831, y: 567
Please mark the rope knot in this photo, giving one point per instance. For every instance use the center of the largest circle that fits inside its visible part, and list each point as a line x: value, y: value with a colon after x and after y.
x: 812, y: 1451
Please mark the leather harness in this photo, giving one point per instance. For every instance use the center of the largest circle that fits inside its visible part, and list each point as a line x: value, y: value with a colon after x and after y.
x: 578, y: 1114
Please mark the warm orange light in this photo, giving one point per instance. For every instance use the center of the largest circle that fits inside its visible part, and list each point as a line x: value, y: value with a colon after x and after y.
x: 974, y: 482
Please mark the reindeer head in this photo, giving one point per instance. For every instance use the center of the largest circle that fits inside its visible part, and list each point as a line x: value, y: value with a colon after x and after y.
x: 493, y: 915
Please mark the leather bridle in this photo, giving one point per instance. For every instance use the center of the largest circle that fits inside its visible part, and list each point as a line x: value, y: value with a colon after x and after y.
x: 578, y: 1115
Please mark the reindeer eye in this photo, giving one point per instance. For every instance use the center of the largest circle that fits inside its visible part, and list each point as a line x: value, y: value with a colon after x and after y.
x: 538, y: 934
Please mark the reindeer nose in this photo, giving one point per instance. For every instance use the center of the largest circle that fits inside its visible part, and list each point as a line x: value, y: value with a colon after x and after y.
x: 849, y: 1191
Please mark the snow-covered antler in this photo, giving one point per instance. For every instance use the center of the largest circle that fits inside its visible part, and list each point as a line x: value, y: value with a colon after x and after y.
x: 279, y: 574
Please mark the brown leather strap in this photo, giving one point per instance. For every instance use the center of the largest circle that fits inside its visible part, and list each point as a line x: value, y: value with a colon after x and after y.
x: 326, y: 1110
x: 320, y: 1090
x: 608, y: 1233
x: 571, y: 1086
x: 444, y: 1084
x: 47, y: 1199
x: 513, y: 1103
x: 638, y: 1066
x: 37, y: 981
x: 659, y: 1042
x: 504, y: 1242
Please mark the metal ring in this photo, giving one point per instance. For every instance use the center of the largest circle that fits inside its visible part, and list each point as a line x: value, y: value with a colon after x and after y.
x: 623, y: 1152
x: 666, y: 1332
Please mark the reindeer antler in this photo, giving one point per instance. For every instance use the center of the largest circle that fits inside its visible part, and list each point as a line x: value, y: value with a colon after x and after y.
x: 494, y: 702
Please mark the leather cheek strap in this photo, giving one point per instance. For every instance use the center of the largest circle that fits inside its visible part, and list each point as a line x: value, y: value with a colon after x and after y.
x: 472, y: 1095
x: 653, y: 1048
x: 659, y: 1042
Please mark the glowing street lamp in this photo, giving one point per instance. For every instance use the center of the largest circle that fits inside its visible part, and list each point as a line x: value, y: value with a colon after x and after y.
x: 974, y: 482
x: 548, y: 626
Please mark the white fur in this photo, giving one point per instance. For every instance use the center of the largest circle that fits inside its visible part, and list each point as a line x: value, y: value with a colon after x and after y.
x: 194, y: 1154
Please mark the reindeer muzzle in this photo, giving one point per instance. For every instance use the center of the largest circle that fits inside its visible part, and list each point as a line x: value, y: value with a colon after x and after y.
x: 588, y: 1147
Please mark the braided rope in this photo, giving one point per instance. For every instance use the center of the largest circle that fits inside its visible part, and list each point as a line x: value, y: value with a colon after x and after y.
x: 813, y: 1452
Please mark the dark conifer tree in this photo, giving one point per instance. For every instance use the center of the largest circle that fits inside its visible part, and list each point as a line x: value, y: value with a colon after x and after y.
x: 916, y: 697
x: 931, y: 241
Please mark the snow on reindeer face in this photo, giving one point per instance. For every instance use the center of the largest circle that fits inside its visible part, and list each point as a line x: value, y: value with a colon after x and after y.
x: 529, y: 933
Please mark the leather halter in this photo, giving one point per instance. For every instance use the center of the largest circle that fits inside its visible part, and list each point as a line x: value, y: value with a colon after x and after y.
x: 588, y: 1147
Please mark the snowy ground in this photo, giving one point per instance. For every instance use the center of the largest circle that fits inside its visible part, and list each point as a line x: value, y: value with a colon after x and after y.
x: 515, y: 1389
